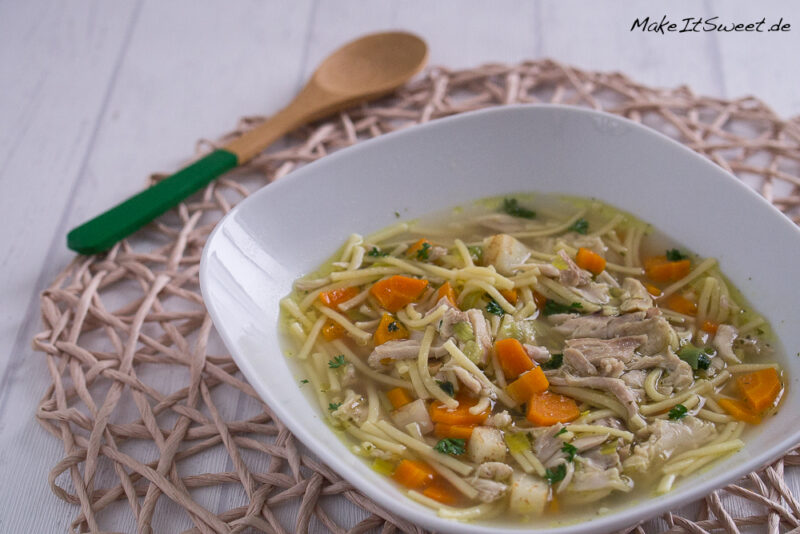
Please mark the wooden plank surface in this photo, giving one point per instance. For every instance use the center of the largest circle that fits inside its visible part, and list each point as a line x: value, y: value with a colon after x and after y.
x: 99, y: 94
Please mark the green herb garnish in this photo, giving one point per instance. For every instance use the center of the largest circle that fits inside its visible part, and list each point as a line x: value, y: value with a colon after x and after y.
x: 563, y: 429
x: 678, y: 412
x: 552, y: 307
x: 570, y: 450
x: 494, y: 308
x: 304, y: 381
x: 333, y: 406
x: 556, y: 474
x: 554, y: 362
x: 392, y: 327
x: 476, y: 253
x: 512, y: 207
x: 695, y: 357
x: 375, y: 252
x: 674, y: 254
x: 580, y: 226
x: 338, y: 361
x: 451, y: 446
x: 424, y: 252
x: 447, y: 387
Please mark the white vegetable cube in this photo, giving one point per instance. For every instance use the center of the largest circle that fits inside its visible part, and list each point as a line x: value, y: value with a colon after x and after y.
x: 528, y: 495
x: 414, y: 412
x: 486, y: 445
x: 504, y: 252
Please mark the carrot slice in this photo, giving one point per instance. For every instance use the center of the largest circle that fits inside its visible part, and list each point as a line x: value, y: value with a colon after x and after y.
x: 760, y: 388
x: 442, y: 492
x: 527, y: 384
x: 396, y: 292
x: 399, y: 397
x: 681, y: 304
x: 443, y: 430
x: 514, y: 360
x: 334, y: 297
x: 659, y: 269
x: 546, y: 409
x: 413, y: 474
x: 539, y: 299
x: 459, y: 415
x: 510, y: 295
x: 419, y: 250
x: 709, y: 326
x: 446, y: 291
x: 590, y: 260
x: 653, y: 290
x: 739, y: 410
x: 332, y: 330
x: 388, y: 329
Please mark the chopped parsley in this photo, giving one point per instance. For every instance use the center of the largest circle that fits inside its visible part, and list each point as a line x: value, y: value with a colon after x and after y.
x: 375, y: 252
x: 570, y: 450
x: 552, y: 307
x: 447, y: 387
x: 695, y: 357
x: 337, y: 362
x: 562, y: 431
x: 678, y: 412
x: 556, y: 474
x: 451, y: 446
x: 703, y: 362
x: 424, y: 252
x: 494, y: 308
x: 554, y: 362
x: 475, y: 252
x: 674, y: 254
x: 392, y: 327
x: 580, y: 226
x: 304, y: 381
x: 397, y: 214
x: 333, y: 406
x: 512, y: 207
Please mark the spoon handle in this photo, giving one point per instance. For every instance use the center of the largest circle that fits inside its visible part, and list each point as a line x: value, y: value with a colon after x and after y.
x: 102, y: 232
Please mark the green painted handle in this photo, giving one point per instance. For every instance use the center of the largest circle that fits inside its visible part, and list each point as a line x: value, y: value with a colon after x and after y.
x: 102, y: 232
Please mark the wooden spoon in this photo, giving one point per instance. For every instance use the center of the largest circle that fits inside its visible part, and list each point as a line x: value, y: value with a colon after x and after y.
x: 367, y: 68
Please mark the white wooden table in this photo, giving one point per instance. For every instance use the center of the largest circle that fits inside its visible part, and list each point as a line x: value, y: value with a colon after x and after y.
x: 95, y: 95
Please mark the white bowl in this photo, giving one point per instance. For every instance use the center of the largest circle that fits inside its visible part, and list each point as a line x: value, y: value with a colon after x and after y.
x: 287, y: 229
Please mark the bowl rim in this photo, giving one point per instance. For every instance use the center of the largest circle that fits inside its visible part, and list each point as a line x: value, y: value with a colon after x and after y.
x: 647, y: 508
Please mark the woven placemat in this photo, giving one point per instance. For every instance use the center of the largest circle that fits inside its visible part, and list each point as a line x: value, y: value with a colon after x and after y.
x: 157, y: 424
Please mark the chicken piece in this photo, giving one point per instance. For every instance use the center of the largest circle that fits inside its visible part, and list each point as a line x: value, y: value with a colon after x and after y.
x: 597, y: 326
x: 499, y: 420
x: 528, y: 495
x: 349, y: 375
x: 504, y: 253
x: 413, y: 412
x: 494, y: 471
x: 592, y: 478
x: 488, y: 490
x: 577, y: 362
x: 549, y: 270
x: 680, y: 374
x: 626, y: 396
x: 723, y: 342
x: 573, y: 276
x: 634, y: 379
x: 594, y: 350
x: 589, y: 442
x: 611, y: 367
x: 545, y: 442
x: 668, y: 438
x: 537, y: 354
x: 660, y: 334
x: 383, y: 356
x: 352, y: 409
x: 480, y: 329
x: 466, y: 378
x: 486, y: 445
x: 594, y: 292
x: 634, y: 296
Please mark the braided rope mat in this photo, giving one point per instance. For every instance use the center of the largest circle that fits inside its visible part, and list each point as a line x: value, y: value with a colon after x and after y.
x: 156, y: 421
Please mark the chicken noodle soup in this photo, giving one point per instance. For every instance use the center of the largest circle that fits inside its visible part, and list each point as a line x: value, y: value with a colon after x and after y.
x: 525, y: 356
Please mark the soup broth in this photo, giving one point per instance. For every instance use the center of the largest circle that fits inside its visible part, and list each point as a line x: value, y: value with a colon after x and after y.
x: 530, y: 358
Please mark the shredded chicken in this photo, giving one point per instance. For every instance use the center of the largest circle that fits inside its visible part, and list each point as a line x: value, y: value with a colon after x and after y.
x: 598, y: 326
x: 494, y: 471
x: 634, y: 296
x: 680, y: 373
x: 351, y: 409
x: 723, y: 342
x: 573, y: 276
x: 626, y: 396
x: 668, y: 438
x: 593, y: 478
x: 594, y: 350
x: 537, y: 354
x: 488, y: 490
x: 499, y: 420
x: 577, y: 362
x: 384, y: 355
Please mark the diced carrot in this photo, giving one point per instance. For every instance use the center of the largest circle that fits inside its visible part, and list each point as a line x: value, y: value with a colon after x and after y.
x: 653, y: 290
x: 510, y: 295
x: 539, y: 299
x: 417, y: 249
x: 546, y: 409
x: 709, y: 326
x: 414, y: 474
x: 459, y: 415
x: 442, y: 491
x: 527, y: 384
x: 332, y: 330
x: 446, y: 291
x: 514, y: 360
x: 659, y: 269
x: 334, y: 297
x: 760, y: 388
x: 739, y: 410
x: 590, y: 260
x: 443, y: 430
x: 388, y: 329
x: 399, y: 397
x: 681, y: 304
x: 397, y: 291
